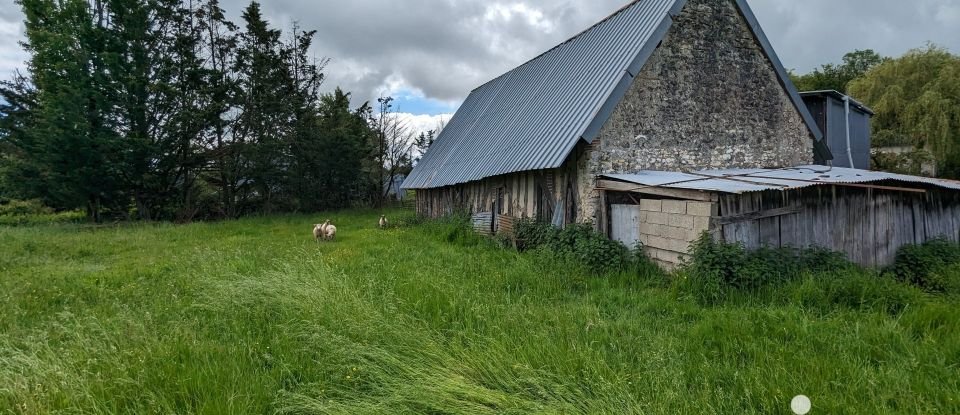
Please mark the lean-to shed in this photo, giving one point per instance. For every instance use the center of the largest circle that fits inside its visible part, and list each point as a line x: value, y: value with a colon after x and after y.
x: 866, y: 215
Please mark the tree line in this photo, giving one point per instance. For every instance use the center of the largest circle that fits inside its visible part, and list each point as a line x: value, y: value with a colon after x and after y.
x: 167, y: 110
x: 916, y: 98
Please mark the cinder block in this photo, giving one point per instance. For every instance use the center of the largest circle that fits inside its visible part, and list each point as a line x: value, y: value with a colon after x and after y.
x: 677, y: 245
x: 672, y: 232
x: 645, y: 239
x: 703, y: 209
x: 658, y: 218
x: 670, y: 256
x: 659, y: 242
x: 680, y: 221
x: 701, y: 224
x: 675, y: 206
x: 651, y: 205
x: 651, y: 229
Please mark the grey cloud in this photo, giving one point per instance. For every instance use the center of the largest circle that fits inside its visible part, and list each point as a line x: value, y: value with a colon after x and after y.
x: 809, y: 33
x: 442, y: 48
x: 445, y: 48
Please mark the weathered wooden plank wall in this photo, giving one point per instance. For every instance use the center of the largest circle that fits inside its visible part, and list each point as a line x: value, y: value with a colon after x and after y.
x: 626, y: 224
x: 869, y: 225
x: 519, y: 195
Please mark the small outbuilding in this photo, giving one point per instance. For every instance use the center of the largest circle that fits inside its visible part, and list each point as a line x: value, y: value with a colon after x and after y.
x: 866, y: 215
x: 845, y: 125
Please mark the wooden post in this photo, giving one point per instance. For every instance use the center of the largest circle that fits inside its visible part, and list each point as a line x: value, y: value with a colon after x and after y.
x: 602, y: 221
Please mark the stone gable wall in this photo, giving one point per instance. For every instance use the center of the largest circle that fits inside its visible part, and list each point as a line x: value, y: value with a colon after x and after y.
x: 708, y: 97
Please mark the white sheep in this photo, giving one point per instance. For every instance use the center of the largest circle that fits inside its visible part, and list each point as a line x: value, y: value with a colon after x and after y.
x: 383, y: 221
x: 318, y: 231
x: 329, y: 231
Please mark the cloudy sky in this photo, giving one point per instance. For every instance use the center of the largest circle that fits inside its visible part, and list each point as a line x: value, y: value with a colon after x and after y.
x: 429, y: 54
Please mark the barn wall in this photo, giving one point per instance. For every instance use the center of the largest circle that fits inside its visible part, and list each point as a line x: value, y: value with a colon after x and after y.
x: 708, y: 97
x: 868, y: 225
x: 524, y: 195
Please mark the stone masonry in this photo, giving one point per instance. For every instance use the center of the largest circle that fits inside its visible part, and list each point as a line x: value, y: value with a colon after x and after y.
x: 708, y: 97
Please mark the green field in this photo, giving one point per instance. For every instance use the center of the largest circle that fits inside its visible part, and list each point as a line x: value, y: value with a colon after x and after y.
x: 252, y: 316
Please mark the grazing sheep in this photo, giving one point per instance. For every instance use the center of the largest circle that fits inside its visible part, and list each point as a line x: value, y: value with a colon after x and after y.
x: 318, y: 232
x: 329, y: 231
x: 383, y: 221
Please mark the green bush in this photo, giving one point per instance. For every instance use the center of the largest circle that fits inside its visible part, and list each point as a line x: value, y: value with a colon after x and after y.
x: 578, y: 243
x: 33, y: 212
x: 717, y: 269
x: 930, y: 266
x: 24, y: 208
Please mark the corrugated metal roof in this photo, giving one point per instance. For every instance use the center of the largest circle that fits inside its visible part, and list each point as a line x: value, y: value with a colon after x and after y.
x: 755, y: 180
x: 532, y: 117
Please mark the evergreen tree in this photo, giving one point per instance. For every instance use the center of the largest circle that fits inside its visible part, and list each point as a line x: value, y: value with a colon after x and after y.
x: 423, y: 142
x: 340, y: 172
x: 72, y: 146
x: 222, y: 91
x: 167, y: 109
x: 265, y: 115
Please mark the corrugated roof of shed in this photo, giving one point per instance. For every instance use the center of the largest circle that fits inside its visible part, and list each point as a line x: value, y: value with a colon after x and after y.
x: 531, y: 117
x: 755, y: 180
x: 839, y: 96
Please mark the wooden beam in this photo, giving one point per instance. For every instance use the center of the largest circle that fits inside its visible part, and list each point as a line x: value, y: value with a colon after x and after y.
x: 602, y: 215
x: 699, y: 195
x: 761, y: 214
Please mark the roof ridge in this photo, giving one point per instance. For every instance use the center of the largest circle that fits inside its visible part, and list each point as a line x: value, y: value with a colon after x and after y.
x: 572, y: 38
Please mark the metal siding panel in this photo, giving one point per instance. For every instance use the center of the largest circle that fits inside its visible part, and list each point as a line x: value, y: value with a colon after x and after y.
x: 860, y: 139
x: 836, y: 135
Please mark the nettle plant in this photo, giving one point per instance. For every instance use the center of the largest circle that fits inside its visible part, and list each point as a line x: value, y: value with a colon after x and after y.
x: 577, y: 242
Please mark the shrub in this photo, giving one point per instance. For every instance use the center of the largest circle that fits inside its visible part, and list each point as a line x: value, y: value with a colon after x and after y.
x: 716, y: 269
x: 929, y: 265
x: 24, y: 208
x: 577, y: 242
x: 33, y: 212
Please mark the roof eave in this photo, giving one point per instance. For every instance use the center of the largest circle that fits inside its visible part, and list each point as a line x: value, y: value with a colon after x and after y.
x: 620, y: 90
x: 819, y: 146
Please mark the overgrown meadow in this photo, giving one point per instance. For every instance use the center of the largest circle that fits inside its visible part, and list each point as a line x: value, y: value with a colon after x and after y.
x: 254, y: 316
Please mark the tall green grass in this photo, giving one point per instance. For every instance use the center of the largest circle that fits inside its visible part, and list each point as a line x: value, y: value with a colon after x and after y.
x: 253, y: 316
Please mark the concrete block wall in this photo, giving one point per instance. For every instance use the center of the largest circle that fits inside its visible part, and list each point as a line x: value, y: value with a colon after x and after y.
x: 668, y: 227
